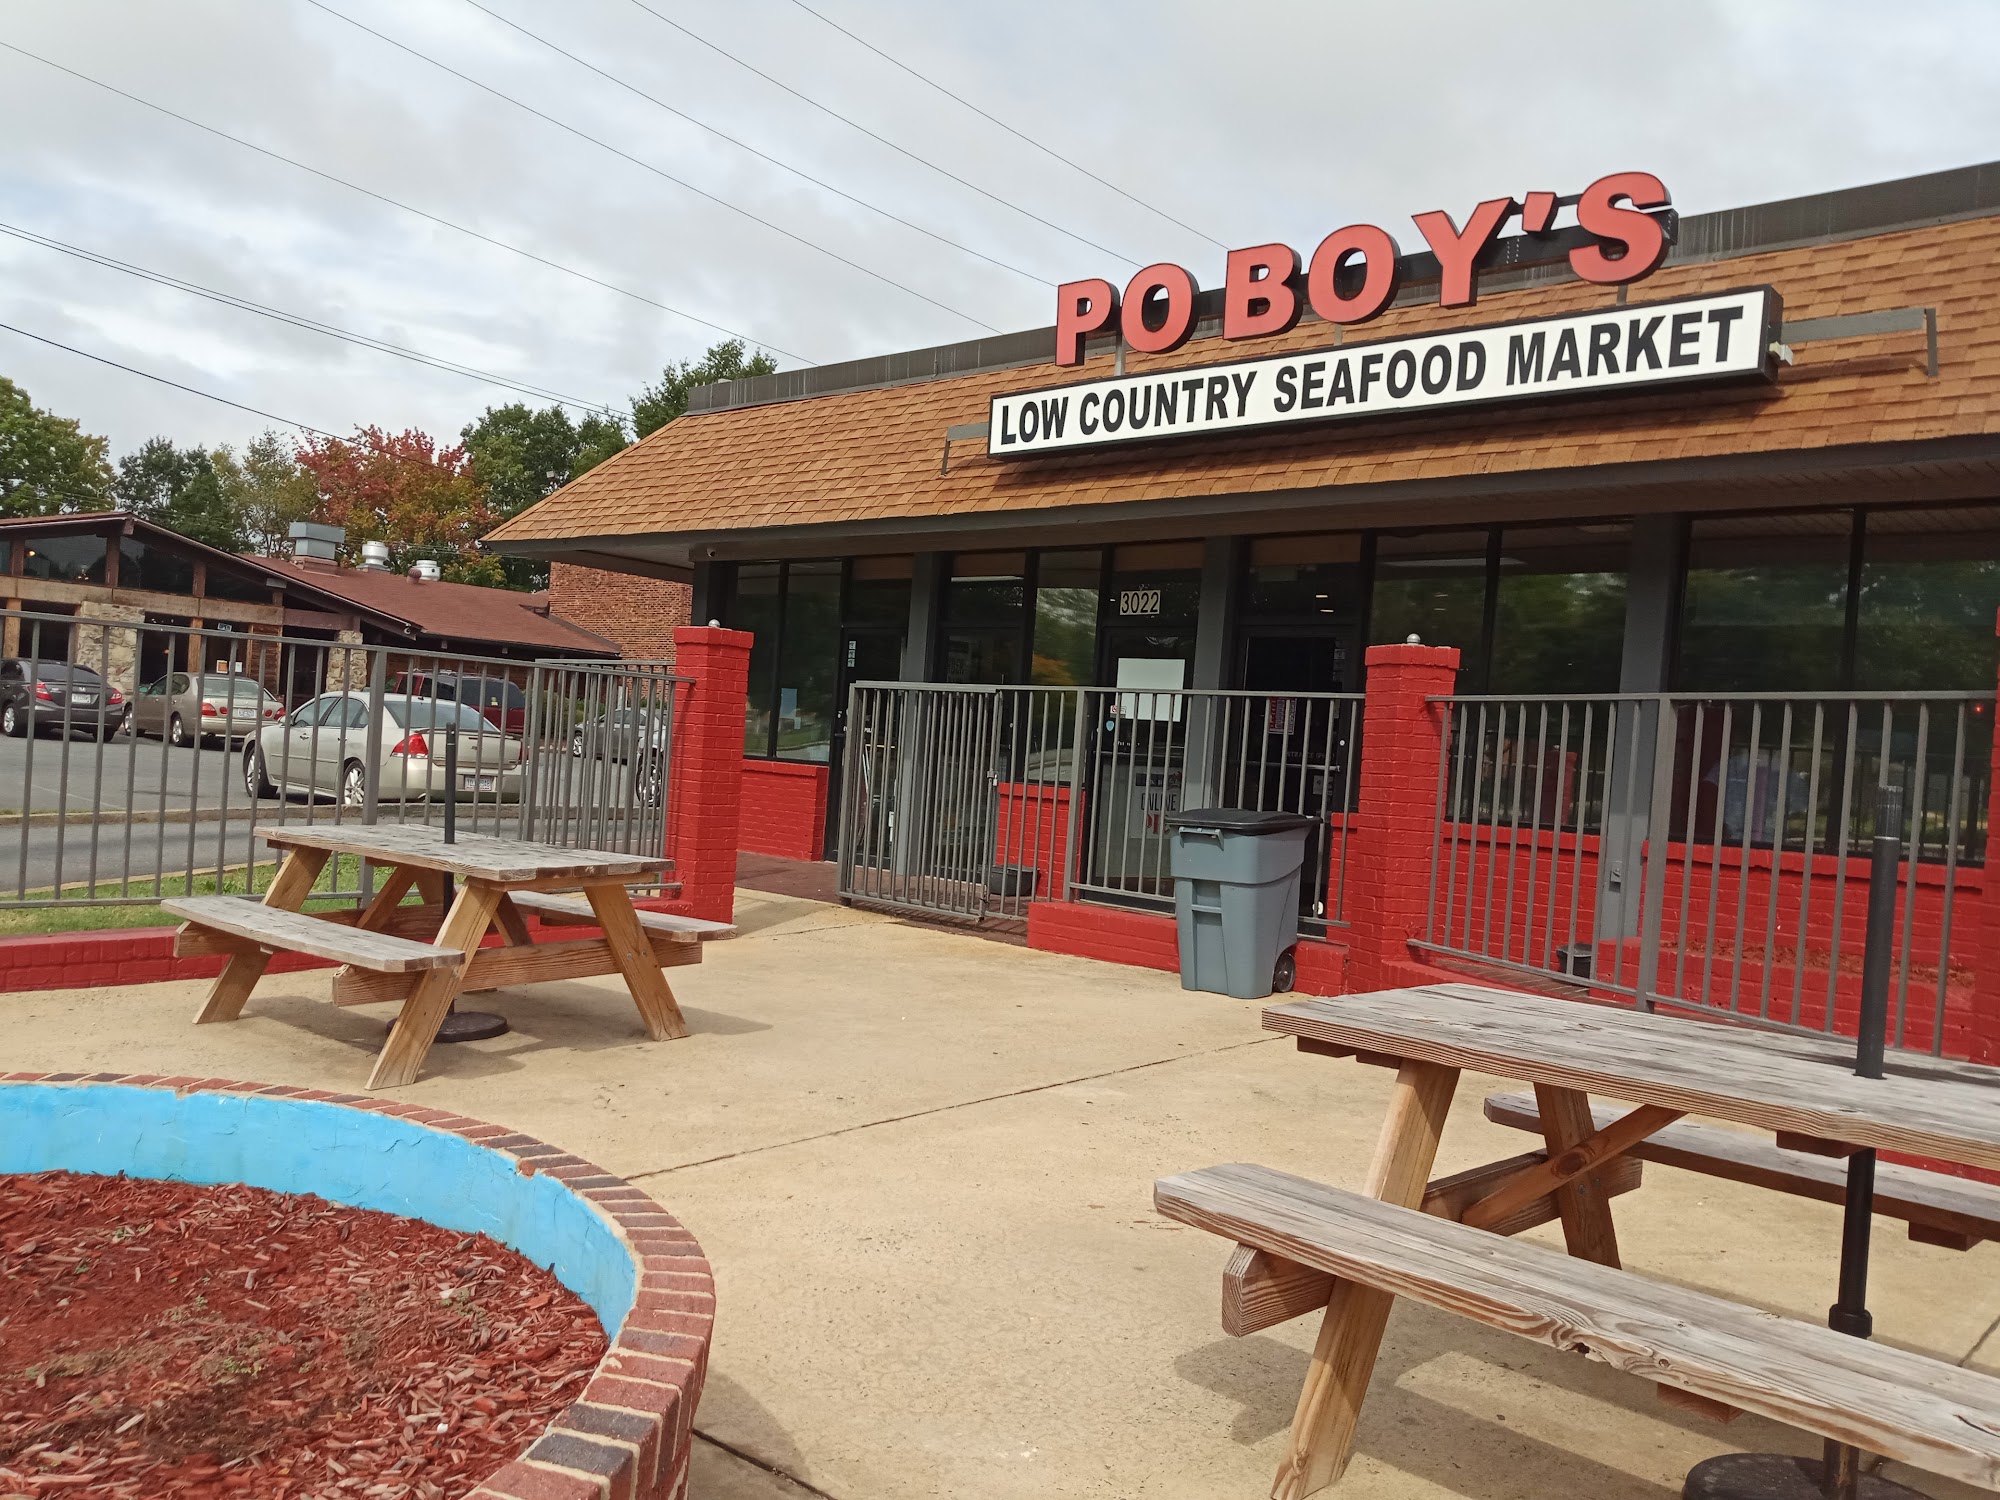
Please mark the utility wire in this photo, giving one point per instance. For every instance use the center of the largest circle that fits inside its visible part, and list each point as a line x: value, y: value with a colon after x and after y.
x: 763, y: 155
x: 161, y: 379
x: 645, y: 165
x: 297, y: 320
x: 884, y: 140
x: 542, y: 260
x: 1050, y: 151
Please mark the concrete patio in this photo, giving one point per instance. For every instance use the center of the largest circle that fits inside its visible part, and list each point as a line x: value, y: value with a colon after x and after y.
x: 922, y: 1164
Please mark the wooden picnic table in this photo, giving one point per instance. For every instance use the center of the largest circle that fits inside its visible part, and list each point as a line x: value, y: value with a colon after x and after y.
x: 1802, y: 1088
x: 426, y: 955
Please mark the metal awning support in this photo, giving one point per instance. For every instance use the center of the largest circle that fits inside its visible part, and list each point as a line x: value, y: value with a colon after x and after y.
x: 960, y: 433
x: 1867, y: 325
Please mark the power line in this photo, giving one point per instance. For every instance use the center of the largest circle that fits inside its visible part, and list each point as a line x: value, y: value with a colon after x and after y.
x: 645, y: 165
x: 818, y: 182
x: 884, y: 140
x: 237, y: 140
x: 297, y: 320
x: 161, y: 379
x: 1050, y: 151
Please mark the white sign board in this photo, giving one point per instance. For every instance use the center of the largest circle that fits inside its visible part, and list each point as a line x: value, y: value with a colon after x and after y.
x: 1605, y: 350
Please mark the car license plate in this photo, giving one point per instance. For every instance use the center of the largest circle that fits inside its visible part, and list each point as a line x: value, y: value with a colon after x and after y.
x: 480, y: 783
x: 84, y: 698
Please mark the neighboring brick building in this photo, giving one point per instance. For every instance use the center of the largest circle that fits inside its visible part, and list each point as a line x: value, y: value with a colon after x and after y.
x: 638, y: 613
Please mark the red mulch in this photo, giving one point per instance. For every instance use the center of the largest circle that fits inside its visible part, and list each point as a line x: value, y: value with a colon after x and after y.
x: 158, y: 1338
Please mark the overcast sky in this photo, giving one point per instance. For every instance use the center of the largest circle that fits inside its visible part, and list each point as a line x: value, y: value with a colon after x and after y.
x: 1245, y: 121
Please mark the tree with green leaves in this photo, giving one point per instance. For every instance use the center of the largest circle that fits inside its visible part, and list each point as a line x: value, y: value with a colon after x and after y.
x: 659, y: 404
x: 48, y: 464
x: 268, y: 489
x: 520, y: 455
x: 179, y: 489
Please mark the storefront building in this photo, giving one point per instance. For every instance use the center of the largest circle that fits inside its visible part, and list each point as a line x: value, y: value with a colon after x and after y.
x: 1763, y: 456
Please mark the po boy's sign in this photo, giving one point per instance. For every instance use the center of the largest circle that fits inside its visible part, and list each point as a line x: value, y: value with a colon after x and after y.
x: 1725, y: 335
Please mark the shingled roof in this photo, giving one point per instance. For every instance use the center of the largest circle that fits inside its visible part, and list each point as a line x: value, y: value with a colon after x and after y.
x: 868, y: 459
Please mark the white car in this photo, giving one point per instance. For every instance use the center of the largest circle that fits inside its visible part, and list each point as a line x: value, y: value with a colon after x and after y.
x: 322, y: 748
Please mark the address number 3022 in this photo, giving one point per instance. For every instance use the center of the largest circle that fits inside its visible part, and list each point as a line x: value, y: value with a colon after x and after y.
x: 1140, y: 603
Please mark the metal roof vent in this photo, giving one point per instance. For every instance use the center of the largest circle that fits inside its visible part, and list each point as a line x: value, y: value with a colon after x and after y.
x: 423, y: 570
x: 313, y: 542
x: 374, y: 557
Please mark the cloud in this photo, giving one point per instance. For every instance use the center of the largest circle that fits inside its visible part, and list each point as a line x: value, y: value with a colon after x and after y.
x: 1255, y: 121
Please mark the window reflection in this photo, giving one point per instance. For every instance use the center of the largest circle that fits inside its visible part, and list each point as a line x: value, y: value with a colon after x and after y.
x: 808, y: 660
x: 1765, y: 604
x: 1559, y: 612
x: 1433, y: 585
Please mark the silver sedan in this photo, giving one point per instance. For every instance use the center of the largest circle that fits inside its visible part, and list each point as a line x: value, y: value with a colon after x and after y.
x: 185, y: 709
x: 321, y: 748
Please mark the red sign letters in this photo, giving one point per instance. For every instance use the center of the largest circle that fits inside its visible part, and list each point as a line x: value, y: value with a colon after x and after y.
x: 1354, y: 274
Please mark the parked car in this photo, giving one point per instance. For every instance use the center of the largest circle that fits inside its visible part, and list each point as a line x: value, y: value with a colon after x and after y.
x: 184, y: 708
x: 53, y: 695
x: 636, y: 737
x: 502, y: 702
x: 321, y: 748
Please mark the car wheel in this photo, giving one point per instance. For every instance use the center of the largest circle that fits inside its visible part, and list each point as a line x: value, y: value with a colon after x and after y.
x: 651, y: 781
x: 353, y: 784
x: 255, y: 779
x: 576, y: 744
x: 177, y: 734
x: 13, y: 722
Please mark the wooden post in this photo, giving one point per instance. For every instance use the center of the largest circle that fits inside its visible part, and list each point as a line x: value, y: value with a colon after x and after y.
x: 1351, y: 1333
x: 417, y: 1023
x: 293, y: 883
x: 634, y: 955
x: 1585, y: 1210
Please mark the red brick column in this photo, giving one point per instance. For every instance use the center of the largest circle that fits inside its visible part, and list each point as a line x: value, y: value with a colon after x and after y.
x: 707, y: 789
x: 1389, y: 868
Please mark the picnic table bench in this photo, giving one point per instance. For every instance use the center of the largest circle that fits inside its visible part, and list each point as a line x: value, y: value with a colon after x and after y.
x: 425, y: 955
x: 1301, y: 1246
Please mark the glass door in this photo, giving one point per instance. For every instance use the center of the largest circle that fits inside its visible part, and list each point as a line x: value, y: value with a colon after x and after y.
x: 866, y: 655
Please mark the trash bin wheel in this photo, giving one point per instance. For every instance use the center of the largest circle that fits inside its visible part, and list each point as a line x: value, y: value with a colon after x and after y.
x: 1285, y: 973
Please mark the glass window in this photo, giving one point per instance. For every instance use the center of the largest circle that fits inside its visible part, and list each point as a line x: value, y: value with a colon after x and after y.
x: 1765, y: 606
x: 878, y: 591
x: 143, y: 565
x: 1304, y: 576
x: 754, y: 607
x: 236, y: 685
x: 808, y: 660
x: 1157, y: 584
x: 222, y: 584
x: 1559, y: 610
x: 986, y: 588
x: 1930, y: 581
x: 68, y: 559
x: 1432, y: 585
x: 1067, y: 586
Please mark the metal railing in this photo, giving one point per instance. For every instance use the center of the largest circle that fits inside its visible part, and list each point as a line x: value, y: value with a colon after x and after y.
x: 140, y: 760
x: 974, y: 802
x: 1705, y: 852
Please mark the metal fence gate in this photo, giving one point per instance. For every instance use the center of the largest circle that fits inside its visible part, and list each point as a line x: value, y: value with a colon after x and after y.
x: 974, y: 802
x: 140, y: 760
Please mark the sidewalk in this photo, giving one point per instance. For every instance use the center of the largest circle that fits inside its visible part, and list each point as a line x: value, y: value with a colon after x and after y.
x: 922, y: 1169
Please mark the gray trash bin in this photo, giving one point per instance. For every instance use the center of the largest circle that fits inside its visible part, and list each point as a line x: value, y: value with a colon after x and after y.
x: 1236, y: 896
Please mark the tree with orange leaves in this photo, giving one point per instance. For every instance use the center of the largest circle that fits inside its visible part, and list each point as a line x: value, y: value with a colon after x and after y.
x: 403, y: 489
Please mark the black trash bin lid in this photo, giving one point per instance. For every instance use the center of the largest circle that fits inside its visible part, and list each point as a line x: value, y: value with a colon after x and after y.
x: 1239, y: 820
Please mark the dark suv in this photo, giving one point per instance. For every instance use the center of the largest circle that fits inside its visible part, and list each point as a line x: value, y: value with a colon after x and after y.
x: 53, y: 694
x: 500, y: 702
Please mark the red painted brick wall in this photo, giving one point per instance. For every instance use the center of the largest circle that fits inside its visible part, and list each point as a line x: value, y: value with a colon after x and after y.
x: 1148, y: 940
x: 640, y: 614
x: 784, y: 809
x: 1032, y: 830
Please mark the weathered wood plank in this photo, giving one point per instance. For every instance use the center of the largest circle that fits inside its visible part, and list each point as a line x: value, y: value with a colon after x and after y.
x: 416, y: 1025
x: 634, y: 948
x: 500, y: 968
x: 1260, y: 1290
x: 1940, y: 1210
x: 420, y: 922
x: 1560, y: 1168
x: 296, y: 932
x: 559, y: 908
x: 1951, y: 1111
x: 1881, y: 1399
x: 287, y: 892
x: 474, y: 856
x: 1351, y: 1333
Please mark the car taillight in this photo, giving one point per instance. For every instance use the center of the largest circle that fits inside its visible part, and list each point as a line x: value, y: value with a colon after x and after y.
x: 209, y: 708
x: 116, y: 696
x: 274, y: 713
x: 412, y: 744
x: 42, y: 692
